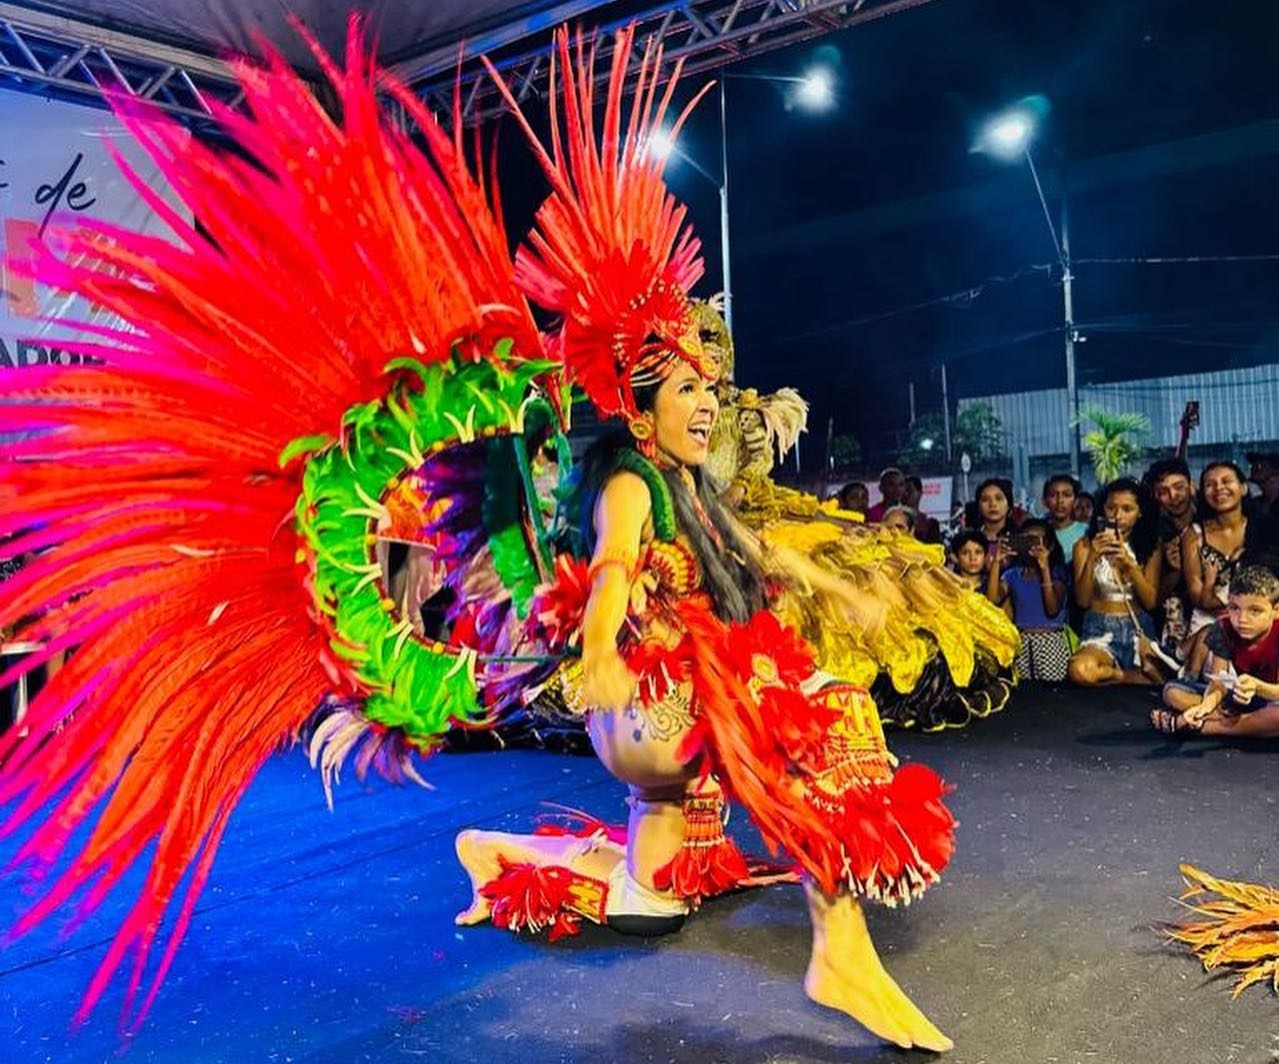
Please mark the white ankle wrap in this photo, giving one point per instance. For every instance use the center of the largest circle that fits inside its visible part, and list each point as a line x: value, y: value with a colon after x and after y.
x: 629, y: 897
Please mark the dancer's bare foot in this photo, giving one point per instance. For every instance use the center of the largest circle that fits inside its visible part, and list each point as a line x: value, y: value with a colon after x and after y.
x: 477, y: 851
x: 845, y: 973
x: 480, y: 854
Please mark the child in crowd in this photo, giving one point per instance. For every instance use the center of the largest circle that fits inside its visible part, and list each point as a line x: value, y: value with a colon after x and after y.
x: 1084, y: 507
x: 992, y: 511
x: 854, y: 497
x: 969, y: 550
x: 1116, y: 580
x: 1029, y: 574
x: 1241, y: 696
x: 1061, y: 493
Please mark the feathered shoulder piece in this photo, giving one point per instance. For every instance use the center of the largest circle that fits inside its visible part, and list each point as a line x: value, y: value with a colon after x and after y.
x: 612, y: 252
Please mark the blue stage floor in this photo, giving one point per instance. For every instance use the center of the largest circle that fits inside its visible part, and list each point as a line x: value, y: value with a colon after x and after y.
x: 328, y: 938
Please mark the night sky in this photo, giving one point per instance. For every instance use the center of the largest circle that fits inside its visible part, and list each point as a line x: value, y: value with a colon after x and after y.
x: 1166, y: 117
x: 871, y: 245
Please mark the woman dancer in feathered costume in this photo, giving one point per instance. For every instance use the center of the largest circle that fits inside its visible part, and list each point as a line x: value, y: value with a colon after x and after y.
x: 207, y: 501
x: 687, y: 682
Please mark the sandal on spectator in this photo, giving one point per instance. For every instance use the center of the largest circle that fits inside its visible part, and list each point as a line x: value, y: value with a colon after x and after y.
x: 1171, y: 723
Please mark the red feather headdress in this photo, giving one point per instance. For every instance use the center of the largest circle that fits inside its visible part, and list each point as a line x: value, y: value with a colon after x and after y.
x: 612, y: 252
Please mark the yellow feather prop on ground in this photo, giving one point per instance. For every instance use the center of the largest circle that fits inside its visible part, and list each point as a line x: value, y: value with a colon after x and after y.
x: 1239, y: 929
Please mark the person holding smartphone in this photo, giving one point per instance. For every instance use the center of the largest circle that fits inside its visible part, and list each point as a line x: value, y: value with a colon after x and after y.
x: 1029, y: 578
x: 1116, y: 569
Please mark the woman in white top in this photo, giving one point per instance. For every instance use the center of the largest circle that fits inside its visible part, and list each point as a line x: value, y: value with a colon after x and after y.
x: 1116, y: 569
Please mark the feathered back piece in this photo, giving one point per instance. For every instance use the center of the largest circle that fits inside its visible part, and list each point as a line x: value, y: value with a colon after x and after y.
x: 149, y: 488
x: 612, y: 252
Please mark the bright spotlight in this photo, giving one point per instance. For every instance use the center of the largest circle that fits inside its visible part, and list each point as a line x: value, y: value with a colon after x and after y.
x: 816, y: 90
x: 661, y: 145
x: 926, y: 444
x: 1008, y: 134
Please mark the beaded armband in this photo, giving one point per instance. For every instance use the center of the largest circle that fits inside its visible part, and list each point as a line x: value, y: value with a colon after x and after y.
x: 618, y: 558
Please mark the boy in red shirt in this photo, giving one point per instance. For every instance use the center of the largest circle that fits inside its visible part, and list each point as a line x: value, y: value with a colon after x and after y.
x: 1242, y: 695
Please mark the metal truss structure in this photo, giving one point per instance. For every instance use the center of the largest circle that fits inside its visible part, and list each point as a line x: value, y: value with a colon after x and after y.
x: 66, y: 55
x: 76, y: 57
x: 706, y: 34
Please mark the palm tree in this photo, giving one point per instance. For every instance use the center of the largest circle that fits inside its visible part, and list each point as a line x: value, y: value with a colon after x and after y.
x: 1113, y: 443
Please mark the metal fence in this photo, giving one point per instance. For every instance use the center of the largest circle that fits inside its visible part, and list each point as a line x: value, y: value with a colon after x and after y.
x: 1236, y: 406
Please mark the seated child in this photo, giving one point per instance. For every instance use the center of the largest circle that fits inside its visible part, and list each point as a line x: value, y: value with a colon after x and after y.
x: 1029, y: 574
x: 1241, y: 695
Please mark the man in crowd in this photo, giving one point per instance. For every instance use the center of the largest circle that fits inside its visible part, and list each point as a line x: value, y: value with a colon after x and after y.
x: 927, y: 529
x: 1264, y: 472
x: 1174, y: 491
x: 1061, y: 491
x: 892, y: 486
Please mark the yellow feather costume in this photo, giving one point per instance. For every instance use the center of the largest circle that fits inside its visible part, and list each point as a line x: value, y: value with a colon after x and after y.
x: 935, y: 653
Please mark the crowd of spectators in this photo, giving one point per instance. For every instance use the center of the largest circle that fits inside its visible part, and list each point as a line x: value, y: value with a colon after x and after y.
x: 1163, y: 580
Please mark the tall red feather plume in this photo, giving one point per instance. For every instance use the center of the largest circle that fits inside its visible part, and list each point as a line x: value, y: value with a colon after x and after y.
x: 152, y: 487
x: 612, y: 252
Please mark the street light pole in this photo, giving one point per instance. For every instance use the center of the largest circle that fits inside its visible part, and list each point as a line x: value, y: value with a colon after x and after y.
x: 1006, y: 136
x: 1068, y: 306
x: 725, y: 258
x: 1062, y: 247
x: 945, y: 412
x: 815, y: 92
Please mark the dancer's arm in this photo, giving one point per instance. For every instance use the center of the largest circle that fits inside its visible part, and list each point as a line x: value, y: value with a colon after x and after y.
x: 800, y: 572
x: 620, y: 515
x: 786, y: 563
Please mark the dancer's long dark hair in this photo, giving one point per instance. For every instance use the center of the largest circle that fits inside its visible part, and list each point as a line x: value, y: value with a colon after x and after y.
x: 729, y: 576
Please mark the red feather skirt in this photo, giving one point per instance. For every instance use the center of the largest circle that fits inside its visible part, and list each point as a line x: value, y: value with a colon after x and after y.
x: 803, y: 753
